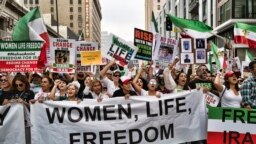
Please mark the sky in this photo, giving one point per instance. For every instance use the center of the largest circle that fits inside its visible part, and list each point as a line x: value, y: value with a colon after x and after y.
x: 120, y: 17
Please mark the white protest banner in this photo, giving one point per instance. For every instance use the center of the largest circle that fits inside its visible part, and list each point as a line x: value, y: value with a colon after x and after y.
x: 173, y: 118
x: 231, y: 126
x: 12, y: 130
x: 80, y: 47
x: 119, y: 49
x: 165, y: 51
x: 63, y: 54
x: 211, y: 99
x: 19, y: 56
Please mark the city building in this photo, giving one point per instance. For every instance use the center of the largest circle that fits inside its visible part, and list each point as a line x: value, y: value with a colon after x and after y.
x: 152, y: 5
x: 10, y: 13
x: 221, y: 15
x: 81, y: 16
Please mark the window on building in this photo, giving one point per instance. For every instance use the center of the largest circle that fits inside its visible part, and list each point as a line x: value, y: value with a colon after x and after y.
x: 52, y: 9
x: 159, y: 1
x: 71, y: 9
x: 80, y: 32
x: 51, y: 2
x: 79, y: 9
x: 70, y: 1
x: 36, y: 1
x: 71, y: 24
x: 225, y: 12
x: 30, y: 1
x: 79, y: 1
x: 71, y: 17
x: 25, y: 1
x: 244, y: 9
x: 158, y: 7
x: 31, y: 8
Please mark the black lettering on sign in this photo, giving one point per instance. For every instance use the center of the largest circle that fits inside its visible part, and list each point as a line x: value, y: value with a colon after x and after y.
x: 3, y: 115
x: 119, y: 137
x: 89, y: 137
x: 127, y: 112
x: 231, y: 137
x: 132, y: 134
x: 92, y: 115
x: 103, y: 136
x: 72, y: 110
x: 72, y: 139
x: 180, y: 104
x: 51, y: 115
x: 151, y: 134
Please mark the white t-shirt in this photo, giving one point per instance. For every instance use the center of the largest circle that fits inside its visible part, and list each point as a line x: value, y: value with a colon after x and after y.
x: 145, y: 93
x: 229, y: 99
x: 111, y: 88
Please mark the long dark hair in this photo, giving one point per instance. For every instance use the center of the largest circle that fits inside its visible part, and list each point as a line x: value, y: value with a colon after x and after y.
x: 23, y: 79
x: 185, y: 87
x: 227, y: 85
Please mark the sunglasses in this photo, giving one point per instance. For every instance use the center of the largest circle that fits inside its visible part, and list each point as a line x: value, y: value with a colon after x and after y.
x: 152, y: 82
x: 19, y: 85
x: 3, y: 80
x: 117, y: 75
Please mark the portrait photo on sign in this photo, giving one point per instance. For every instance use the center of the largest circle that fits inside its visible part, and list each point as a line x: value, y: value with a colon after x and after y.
x: 200, y: 56
x: 200, y: 43
x: 165, y: 53
x: 187, y: 58
x: 61, y: 56
x: 186, y: 45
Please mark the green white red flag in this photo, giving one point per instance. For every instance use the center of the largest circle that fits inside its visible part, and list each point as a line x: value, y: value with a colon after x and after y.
x: 231, y: 126
x: 192, y: 28
x: 248, y: 56
x: 32, y: 28
x: 245, y: 34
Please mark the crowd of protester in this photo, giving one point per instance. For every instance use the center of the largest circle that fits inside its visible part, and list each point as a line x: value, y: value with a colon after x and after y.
x: 148, y: 80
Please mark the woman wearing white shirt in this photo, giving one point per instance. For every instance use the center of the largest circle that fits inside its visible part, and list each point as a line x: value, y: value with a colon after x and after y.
x: 229, y: 92
x: 152, y: 86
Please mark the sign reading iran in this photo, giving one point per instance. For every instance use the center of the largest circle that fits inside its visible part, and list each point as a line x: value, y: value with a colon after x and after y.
x: 119, y: 49
x: 174, y: 118
x: 230, y: 125
x: 63, y: 54
x: 12, y: 130
x: 19, y: 56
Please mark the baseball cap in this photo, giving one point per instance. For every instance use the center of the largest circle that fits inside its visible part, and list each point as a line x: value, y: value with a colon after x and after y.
x: 125, y: 79
x: 117, y: 71
x: 230, y: 74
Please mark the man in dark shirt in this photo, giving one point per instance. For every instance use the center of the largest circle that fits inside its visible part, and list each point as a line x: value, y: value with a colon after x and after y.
x: 125, y: 90
x: 202, y: 81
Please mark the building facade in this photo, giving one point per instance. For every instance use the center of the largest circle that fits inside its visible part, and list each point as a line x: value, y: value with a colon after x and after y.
x: 152, y: 5
x: 11, y: 12
x: 81, y: 16
x: 221, y: 15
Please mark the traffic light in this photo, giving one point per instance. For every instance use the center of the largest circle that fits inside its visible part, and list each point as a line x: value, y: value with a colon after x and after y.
x: 168, y: 24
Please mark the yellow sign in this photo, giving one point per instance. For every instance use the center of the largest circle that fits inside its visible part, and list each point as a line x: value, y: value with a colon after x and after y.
x: 91, y: 58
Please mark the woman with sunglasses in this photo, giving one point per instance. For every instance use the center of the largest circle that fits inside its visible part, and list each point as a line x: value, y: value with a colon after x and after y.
x: 113, y: 85
x: 6, y: 92
x: 21, y: 89
x: 152, y: 87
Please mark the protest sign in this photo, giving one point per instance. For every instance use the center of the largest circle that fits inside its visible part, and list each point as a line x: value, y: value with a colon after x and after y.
x: 144, y: 41
x: 173, y: 118
x: 91, y: 58
x: 117, y: 48
x: 63, y: 54
x: 82, y: 46
x: 211, y: 99
x: 18, y: 56
x: 12, y: 130
x: 230, y: 125
x: 165, y: 51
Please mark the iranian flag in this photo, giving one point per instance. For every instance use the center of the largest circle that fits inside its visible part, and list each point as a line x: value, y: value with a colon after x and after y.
x: 153, y: 25
x: 245, y: 34
x: 32, y: 28
x: 192, y: 28
x: 248, y: 56
x: 231, y: 126
x: 214, y: 50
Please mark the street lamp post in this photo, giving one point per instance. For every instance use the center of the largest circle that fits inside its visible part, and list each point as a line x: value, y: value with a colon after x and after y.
x: 57, y: 16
